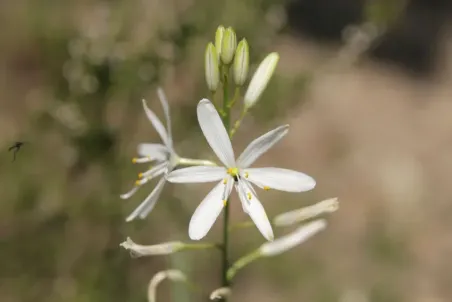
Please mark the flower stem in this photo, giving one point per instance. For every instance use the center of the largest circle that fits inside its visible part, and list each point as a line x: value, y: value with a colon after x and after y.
x: 225, y: 245
x: 238, y: 122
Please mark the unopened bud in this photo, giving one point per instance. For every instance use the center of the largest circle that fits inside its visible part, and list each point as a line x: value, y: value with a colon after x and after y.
x: 295, y: 238
x: 289, y: 218
x: 138, y: 250
x: 220, y: 293
x: 219, y: 39
x: 172, y: 274
x: 212, y: 68
x: 260, y: 79
x: 228, y: 45
x: 241, y: 63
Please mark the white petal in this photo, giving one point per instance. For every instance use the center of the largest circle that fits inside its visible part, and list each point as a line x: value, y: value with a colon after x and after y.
x: 206, y: 213
x: 215, y: 133
x: 157, y: 124
x: 154, y: 151
x: 261, y: 145
x: 295, y: 238
x: 255, y: 210
x: 197, y: 174
x: 166, y: 111
x: 280, y: 179
x: 148, y: 204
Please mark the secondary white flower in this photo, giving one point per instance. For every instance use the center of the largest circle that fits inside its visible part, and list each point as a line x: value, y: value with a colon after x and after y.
x: 171, y: 274
x: 138, y: 250
x: 293, y: 239
x: 288, y: 218
x: 163, y: 157
x: 236, y: 173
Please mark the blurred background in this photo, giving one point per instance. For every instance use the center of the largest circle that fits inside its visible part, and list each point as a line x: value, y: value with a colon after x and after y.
x: 365, y: 86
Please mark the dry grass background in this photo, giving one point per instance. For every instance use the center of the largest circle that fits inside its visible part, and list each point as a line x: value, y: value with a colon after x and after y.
x: 375, y: 137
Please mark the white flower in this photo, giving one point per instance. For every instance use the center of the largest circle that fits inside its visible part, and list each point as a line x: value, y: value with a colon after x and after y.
x: 163, y: 157
x: 138, y: 250
x: 236, y: 173
x: 293, y: 239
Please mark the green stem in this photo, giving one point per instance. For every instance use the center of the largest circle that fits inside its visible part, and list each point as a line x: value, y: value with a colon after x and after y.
x: 238, y: 122
x: 200, y: 246
x: 242, y: 262
x: 225, y: 245
x: 235, y: 98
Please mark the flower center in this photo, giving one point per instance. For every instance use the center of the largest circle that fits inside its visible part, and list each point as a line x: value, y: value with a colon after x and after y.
x: 234, y: 172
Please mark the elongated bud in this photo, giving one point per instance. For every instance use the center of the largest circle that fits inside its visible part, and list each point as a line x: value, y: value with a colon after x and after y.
x: 212, y: 68
x: 260, y: 79
x: 219, y: 39
x: 228, y: 45
x: 172, y: 274
x: 220, y: 293
x: 295, y: 238
x: 241, y: 63
x: 138, y: 250
x: 289, y: 218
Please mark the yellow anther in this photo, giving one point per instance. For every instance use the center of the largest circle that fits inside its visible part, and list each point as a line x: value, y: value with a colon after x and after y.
x: 225, y: 181
x: 137, y: 183
x: 248, y: 195
x: 140, y: 175
x: 134, y: 160
x: 225, y: 202
x: 233, y: 171
x: 246, y: 174
x: 266, y: 188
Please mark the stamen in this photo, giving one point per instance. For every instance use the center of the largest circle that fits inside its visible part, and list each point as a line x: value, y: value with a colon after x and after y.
x: 266, y: 188
x: 225, y: 181
x: 225, y: 202
x: 249, y: 195
x: 140, y: 175
x: 142, y: 181
x: 246, y: 174
x: 139, y: 160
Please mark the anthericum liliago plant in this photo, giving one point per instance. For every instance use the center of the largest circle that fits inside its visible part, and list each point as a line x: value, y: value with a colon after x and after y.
x: 226, y: 68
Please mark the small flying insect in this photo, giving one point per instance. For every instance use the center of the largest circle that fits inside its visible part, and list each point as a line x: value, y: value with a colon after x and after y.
x: 16, y: 147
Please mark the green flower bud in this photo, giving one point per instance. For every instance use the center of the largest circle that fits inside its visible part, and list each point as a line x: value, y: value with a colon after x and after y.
x: 241, y: 63
x: 228, y: 45
x: 219, y: 39
x: 260, y: 79
x: 211, y: 67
